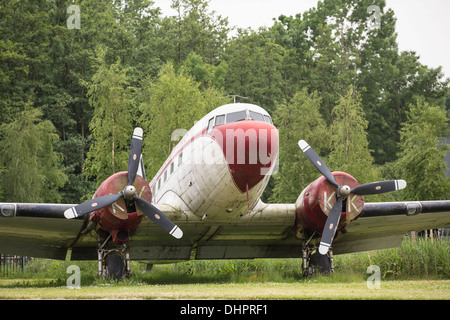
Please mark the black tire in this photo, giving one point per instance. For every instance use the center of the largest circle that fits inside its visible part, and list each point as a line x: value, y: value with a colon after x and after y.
x: 320, y: 263
x: 115, y: 266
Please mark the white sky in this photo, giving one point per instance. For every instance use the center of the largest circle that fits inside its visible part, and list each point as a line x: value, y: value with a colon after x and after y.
x: 423, y: 26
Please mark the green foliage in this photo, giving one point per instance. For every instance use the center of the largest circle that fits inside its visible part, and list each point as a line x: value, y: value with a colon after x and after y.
x: 195, y: 29
x: 350, y: 148
x: 414, y: 259
x: 255, y: 68
x: 299, y: 119
x: 111, y: 123
x: 32, y: 169
x: 421, y: 159
x: 206, y: 74
x: 97, y: 82
x: 421, y: 259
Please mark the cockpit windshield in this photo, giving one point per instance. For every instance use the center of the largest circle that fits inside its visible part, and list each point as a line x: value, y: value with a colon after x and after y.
x: 237, y: 116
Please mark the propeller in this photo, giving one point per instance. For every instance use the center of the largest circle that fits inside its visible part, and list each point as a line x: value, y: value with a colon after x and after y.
x: 129, y: 194
x: 329, y: 230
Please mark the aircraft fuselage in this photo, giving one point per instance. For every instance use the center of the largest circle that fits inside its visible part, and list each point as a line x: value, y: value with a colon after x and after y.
x: 220, y: 168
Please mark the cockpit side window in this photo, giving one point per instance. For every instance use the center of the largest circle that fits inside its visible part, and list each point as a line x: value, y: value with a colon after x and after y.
x: 256, y: 116
x: 220, y: 120
x: 267, y: 119
x: 210, y: 124
x: 237, y: 116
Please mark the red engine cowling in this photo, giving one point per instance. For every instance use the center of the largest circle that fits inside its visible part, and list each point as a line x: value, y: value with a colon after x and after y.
x: 115, y: 219
x: 315, y: 202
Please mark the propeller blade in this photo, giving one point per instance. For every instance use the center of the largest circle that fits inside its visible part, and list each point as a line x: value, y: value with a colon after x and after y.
x: 135, y: 154
x: 158, y: 217
x: 91, y: 205
x: 379, y: 187
x: 317, y: 162
x: 329, y: 230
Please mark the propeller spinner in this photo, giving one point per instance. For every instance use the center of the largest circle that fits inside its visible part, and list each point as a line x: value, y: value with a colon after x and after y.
x: 129, y: 194
x: 342, y: 192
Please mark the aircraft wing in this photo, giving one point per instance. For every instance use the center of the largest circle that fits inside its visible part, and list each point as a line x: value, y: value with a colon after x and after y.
x: 41, y: 230
x: 37, y: 230
x: 269, y: 232
x: 383, y: 225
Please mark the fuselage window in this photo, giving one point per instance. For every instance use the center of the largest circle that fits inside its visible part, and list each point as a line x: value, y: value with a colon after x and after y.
x: 267, y: 119
x: 210, y: 124
x: 256, y: 116
x: 220, y: 120
x: 165, y: 176
x: 180, y: 159
x: 237, y: 116
x: 159, y: 184
x: 171, y: 167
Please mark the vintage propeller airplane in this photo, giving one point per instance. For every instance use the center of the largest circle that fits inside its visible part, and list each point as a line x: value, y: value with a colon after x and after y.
x: 204, y: 203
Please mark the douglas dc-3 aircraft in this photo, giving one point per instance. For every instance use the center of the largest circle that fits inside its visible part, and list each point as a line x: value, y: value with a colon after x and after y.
x: 204, y: 203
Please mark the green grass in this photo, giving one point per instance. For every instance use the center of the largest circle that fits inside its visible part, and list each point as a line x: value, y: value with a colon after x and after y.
x: 416, y: 270
x: 389, y: 290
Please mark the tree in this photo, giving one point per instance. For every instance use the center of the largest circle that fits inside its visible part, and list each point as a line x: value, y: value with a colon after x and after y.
x: 24, y: 60
x: 422, y: 150
x: 140, y: 24
x: 32, y: 169
x: 299, y: 119
x: 205, y: 73
x: 349, y: 146
x: 335, y: 46
x: 194, y: 29
x: 111, y: 123
x: 255, y: 69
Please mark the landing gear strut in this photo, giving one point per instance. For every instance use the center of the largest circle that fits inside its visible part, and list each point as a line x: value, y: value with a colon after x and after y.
x: 313, y: 263
x: 113, y: 263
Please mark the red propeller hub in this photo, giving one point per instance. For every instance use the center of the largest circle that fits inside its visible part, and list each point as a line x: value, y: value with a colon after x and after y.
x: 116, y: 218
x: 315, y: 202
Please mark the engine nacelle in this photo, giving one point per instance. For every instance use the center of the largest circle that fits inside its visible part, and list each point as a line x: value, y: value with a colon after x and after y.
x: 115, y: 219
x: 315, y: 202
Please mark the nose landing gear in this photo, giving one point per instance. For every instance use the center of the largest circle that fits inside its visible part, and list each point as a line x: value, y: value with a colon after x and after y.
x: 113, y: 263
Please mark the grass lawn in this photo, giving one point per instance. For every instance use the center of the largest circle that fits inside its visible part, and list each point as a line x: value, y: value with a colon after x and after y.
x: 389, y: 290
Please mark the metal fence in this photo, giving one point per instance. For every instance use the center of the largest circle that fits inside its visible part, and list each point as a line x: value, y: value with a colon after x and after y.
x: 12, y: 263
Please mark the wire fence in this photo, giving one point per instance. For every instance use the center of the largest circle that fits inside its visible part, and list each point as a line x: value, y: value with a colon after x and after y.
x: 12, y: 263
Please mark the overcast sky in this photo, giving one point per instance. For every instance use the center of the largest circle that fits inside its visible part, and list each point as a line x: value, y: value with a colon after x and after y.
x: 422, y: 25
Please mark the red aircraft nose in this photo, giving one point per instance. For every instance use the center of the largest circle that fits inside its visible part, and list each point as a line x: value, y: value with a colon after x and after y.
x: 250, y: 148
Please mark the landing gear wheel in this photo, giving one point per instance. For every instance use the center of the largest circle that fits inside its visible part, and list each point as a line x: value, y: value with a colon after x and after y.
x: 320, y: 263
x: 113, y: 263
x: 114, y: 266
x: 313, y: 263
